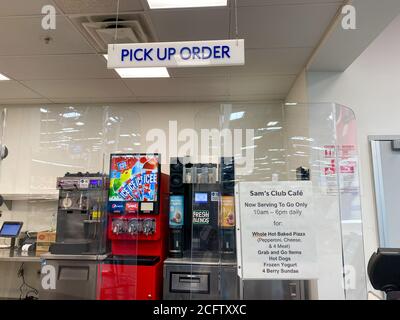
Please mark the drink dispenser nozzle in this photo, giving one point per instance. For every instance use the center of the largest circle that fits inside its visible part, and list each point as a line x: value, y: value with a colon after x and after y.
x: 133, y: 227
x: 148, y: 226
x: 117, y: 226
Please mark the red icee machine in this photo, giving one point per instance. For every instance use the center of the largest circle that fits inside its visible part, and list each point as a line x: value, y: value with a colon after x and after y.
x: 137, y: 229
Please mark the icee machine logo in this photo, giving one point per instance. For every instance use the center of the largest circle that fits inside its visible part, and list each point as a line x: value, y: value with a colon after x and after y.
x: 134, y: 177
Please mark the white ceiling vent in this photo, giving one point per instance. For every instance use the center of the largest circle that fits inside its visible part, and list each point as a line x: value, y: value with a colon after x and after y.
x: 102, y: 30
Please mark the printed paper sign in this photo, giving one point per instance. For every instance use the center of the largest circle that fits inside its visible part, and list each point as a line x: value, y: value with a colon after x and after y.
x: 276, y: 230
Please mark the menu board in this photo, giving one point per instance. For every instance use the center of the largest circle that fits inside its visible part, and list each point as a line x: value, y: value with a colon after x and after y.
x: 134, y: 178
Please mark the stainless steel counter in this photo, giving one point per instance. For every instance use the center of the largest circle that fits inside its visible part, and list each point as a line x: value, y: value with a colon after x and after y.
x: 17, y: 257
x: 49, y: 256
x: 25, y: 257
x: 212, y: 261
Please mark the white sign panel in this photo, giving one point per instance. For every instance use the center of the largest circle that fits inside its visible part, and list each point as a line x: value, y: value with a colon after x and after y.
x: 176, y: 54
x: 275, y: 230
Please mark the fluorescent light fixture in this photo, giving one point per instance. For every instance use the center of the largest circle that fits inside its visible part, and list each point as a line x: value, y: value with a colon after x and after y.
x: 153, y: 72
x: 71, y: 115
x: 299, y: 138
x: 3, y: 77
x: 43, y: 110
x: 156, y: 72
x: 257, y: 138
x: 236, y: 115
x: 272, y: 123
x: 168, y: 4
x: 291, y: 104
x: 249, y: 147
x: 274, y: 128
x: 80, y: 123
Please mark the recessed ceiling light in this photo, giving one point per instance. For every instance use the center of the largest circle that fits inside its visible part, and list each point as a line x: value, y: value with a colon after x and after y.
x: 3, y: 77
x: 154, y: 72
x: 143, y: 72
x: 166, y: 4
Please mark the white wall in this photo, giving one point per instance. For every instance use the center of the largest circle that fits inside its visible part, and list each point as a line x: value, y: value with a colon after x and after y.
x: 298, y: 92
x: 371, y: 87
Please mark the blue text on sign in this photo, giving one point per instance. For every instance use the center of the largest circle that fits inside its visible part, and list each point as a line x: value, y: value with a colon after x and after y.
x: 185, y: 53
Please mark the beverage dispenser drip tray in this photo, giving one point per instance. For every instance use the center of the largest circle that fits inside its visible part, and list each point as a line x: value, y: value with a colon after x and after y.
x: 132, y: 260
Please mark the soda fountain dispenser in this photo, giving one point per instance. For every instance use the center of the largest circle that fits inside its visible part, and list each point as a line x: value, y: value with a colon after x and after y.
x: 137, y: 228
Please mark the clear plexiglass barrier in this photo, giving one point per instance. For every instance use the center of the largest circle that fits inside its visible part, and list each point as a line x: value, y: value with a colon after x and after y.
x: 297, y: 216
x: 263, y: 202
x: 55, y: 181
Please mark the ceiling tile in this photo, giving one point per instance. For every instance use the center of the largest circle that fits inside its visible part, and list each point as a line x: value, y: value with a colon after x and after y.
x: 273, y: 61
x: 90, y: 88
x: 95, y: 100
x: 25, y: 36
x: 56, y: 67
x: 22, y: 7
x: 258, y: 62
x: 219, y: 99
x: 5, y: 102
x: 257, y: 97
x: 284, y: 26
x: 15, y: 90
x: 98, y: 6
x: 193, y: 99
x: 178, y: 87
x: 189, y: 25
x: 247, y: 3
x: 260, y: 85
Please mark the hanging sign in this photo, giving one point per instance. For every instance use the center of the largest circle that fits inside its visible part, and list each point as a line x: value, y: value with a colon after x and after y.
x: 276, y: 230
x: 176, y: 54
